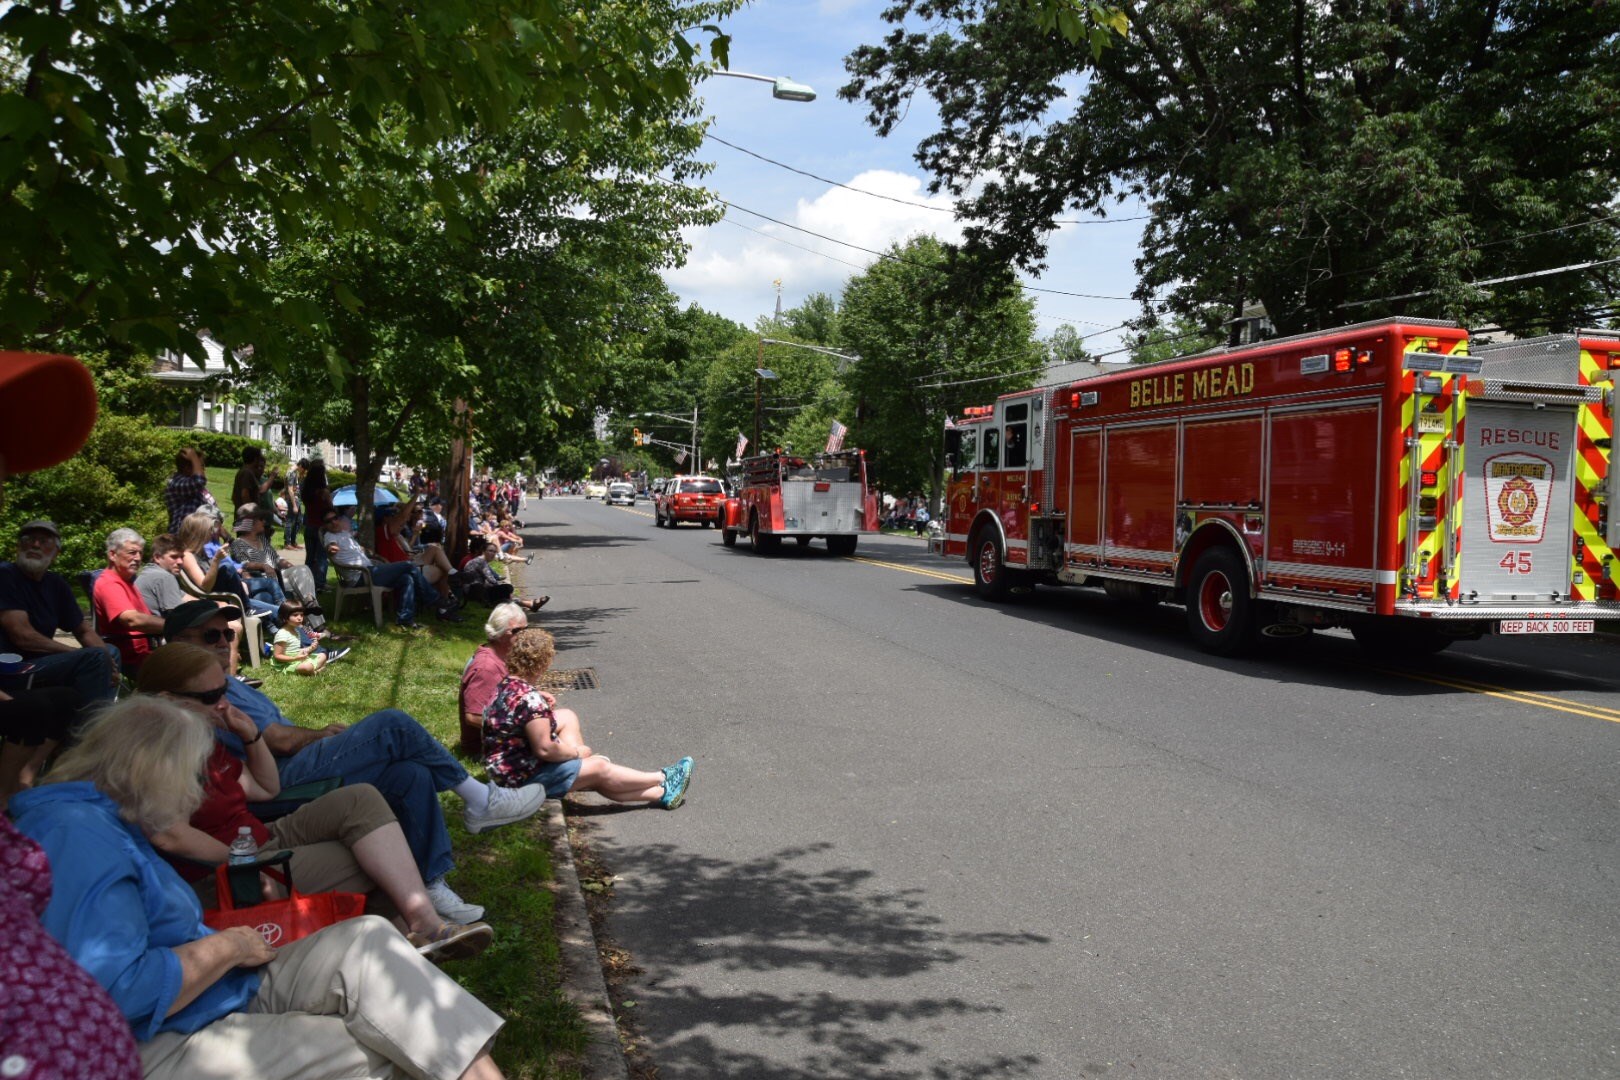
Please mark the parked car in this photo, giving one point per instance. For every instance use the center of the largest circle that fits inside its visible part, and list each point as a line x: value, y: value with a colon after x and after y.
x: 620, y: 494
x: 688, y: 498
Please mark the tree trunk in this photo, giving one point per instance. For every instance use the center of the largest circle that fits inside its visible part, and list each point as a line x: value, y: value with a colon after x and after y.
x: 454, y: 484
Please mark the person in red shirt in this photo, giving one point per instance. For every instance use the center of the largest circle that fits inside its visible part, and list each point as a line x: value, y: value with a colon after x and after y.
x: 122, y: 617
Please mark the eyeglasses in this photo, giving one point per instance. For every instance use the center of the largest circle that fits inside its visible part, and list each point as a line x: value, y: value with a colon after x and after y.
x: 214, y: 637
x: 204, y: 697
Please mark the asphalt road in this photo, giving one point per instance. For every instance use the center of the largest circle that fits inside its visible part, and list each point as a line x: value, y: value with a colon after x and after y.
x: 936, y: 838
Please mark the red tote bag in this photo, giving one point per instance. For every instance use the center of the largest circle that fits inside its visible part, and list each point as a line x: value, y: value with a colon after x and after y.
x: 279, y: 922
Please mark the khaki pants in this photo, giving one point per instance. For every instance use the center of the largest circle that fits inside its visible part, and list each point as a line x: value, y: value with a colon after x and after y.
x: 320, y: 834
x: 353, y: 1001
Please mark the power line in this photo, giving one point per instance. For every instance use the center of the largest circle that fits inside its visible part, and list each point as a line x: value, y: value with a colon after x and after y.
x: 884, y: 254
x: 1487, y: 281
x: 894, y: 198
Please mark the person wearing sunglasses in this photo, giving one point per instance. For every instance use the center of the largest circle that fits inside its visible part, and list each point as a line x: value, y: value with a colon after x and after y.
x: 353, y: 999
x: 388, y: 749
x: 347, y: 840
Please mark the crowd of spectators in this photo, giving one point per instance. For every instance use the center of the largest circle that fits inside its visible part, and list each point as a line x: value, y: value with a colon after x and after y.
x: 119, y: 810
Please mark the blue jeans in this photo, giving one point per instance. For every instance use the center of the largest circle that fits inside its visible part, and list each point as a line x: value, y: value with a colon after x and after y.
x: 410, y: 586
x: 292, y: 527
x: 390, y: 751
x: 92, y: 672
x: 266, y: 589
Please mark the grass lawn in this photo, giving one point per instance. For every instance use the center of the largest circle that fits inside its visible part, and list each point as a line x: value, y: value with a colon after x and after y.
x: 508, y: 870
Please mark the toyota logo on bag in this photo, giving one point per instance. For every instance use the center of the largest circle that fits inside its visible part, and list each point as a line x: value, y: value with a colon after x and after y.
x: 271, y: 932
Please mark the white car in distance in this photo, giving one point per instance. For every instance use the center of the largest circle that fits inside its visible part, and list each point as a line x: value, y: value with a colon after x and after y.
x: 620, y: 494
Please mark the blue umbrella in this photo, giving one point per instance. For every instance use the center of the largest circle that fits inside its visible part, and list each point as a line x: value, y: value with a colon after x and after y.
x: 344, y: 496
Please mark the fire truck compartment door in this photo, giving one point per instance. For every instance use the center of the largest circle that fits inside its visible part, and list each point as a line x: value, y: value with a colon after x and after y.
x: 1517, y: 464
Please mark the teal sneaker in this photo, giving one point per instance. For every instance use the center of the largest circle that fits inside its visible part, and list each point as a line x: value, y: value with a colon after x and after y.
x: 676, y: 779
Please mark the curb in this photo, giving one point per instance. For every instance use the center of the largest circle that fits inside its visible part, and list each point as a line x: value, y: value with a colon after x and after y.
x: 583, y: 983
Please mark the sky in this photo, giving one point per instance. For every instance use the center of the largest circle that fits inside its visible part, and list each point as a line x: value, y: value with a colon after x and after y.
x: 732, y: 265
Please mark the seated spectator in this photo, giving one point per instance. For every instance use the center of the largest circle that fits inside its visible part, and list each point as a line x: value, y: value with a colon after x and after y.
x: 388, y: 750
x: 346, y: 840
x: 410, y: 587
x: 187, y: 490
x: 156, y: 582
x: 503, y: 538
x: 297, y: 647
x: 434, y: 525
x: 484, y: 672
x: 193, y: 997
x: 122, y: 616
x: 34, y: 604
x: 254, y: 553
x: 214, y: 573
x: 528, y: 742
x: 484, y: 585
x: 394, y: 544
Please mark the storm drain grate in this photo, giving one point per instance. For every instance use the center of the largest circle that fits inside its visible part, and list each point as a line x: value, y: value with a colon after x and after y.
x: 570, y: 679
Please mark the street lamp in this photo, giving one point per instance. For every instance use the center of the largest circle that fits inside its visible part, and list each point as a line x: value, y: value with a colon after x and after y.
x: 782, y: 87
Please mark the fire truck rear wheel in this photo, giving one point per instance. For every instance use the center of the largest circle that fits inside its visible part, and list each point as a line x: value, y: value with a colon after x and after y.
x: 764, y: 543
x: 990, y: 575
x: 728, y: 537
x: 1220, y: 612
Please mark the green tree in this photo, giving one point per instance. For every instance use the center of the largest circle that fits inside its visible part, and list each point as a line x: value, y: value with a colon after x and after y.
x: 815, y: 321
x: 143, y: 147
x: 924, y: 355
x: 1066, y: 346
x: 1309, y: 156
x: 1181, y: 335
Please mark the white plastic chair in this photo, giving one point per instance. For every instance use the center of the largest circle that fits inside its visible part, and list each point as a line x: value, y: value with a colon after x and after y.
x: 252, y: 625
x: 365, y: 586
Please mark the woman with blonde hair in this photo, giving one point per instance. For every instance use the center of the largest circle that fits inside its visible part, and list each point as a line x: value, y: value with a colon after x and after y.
x: 347, y: 840
x: 528, y: 741
x: 215, y: 574
x: 345, y: 1001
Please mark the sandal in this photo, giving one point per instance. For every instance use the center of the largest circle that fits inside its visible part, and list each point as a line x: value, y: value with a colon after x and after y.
x: 453, y: 941
x: 535, y: 603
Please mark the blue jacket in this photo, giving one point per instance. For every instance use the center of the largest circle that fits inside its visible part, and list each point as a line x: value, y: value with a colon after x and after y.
x: 120, y: 910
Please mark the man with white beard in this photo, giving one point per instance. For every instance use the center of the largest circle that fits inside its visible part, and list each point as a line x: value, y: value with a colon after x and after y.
x: 34, y: 604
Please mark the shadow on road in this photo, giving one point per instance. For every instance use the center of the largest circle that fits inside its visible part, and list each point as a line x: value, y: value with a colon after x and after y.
x: 809, y: 926
x: 575, y: 627
x: 1326, y: 660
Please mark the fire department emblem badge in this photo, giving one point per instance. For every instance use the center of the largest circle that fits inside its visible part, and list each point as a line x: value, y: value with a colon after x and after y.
x: 1518, y: 493
x: 1517, y: 501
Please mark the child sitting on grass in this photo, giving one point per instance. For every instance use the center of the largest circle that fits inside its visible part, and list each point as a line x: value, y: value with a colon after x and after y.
x: 297, y: 647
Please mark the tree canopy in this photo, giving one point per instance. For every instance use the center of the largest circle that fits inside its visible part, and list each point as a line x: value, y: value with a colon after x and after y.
x: 1335, y: 161
x: 145, y: 147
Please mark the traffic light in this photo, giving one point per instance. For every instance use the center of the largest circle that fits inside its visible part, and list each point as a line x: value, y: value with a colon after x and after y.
x: 635, y: 435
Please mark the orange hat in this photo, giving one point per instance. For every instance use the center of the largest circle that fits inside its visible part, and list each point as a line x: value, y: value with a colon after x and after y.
x: 47, y: 408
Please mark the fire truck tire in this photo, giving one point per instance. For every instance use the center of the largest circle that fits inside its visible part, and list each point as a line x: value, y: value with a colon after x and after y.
x: 842, y: 545
x: 1397, y: 639
x: 990, y: 574
x: 1220, y: 612
x: 763, y: 543
x: 728, y: 537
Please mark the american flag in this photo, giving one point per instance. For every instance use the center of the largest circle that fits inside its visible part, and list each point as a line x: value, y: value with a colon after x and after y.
x: 950, y: 424
x: 742, y: 444
x: 835, y: 437
x: 680, y: 457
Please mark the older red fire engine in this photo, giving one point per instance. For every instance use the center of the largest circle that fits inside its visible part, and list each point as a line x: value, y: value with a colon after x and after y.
x: 1376, y: 477
x: 781, y: 495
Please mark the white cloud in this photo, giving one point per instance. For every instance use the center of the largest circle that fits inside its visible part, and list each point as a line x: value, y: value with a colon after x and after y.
x: 732, y: 270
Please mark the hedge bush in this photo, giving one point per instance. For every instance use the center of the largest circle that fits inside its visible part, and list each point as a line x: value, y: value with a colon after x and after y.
x: 116, y: 480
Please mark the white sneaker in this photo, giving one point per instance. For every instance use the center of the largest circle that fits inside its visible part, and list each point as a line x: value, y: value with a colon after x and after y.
x: 450, y: 906
x: 506, y: 805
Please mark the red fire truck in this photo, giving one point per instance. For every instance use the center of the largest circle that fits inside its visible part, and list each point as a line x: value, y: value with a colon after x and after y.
x: 1376, y: 477
x: 782, y: 495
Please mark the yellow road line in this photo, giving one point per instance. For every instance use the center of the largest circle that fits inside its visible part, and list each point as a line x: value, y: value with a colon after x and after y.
x: 1520, y: 697
x: 941, y: 575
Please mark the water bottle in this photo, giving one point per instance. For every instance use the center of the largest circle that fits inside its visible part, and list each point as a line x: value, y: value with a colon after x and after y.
x: 244, y: 849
